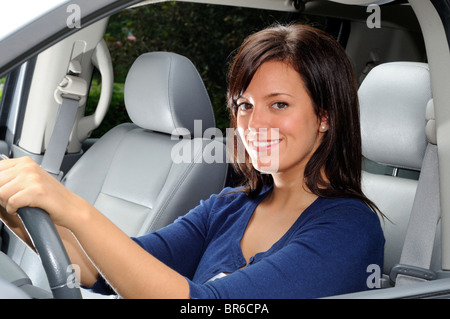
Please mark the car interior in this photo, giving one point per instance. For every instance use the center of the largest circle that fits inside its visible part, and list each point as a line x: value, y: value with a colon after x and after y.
x: 402, y: 69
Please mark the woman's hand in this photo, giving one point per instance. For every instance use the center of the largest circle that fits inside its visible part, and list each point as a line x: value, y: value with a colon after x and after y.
x: 24, y: 183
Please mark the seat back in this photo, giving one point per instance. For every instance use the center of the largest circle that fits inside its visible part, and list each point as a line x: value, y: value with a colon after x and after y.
x: 393, y: 100
x: 142, y: 175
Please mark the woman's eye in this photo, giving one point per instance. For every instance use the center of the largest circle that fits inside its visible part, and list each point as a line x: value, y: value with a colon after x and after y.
x: 244, y: 106
x: 280, y: 105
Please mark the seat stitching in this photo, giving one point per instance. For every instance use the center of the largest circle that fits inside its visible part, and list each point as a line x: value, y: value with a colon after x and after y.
x: 176, y: 187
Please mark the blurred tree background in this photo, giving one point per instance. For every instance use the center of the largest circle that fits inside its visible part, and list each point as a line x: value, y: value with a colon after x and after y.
x: 206, y: 34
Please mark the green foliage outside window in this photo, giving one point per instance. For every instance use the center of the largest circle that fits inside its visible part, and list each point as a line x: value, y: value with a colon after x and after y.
x: 206, y: 34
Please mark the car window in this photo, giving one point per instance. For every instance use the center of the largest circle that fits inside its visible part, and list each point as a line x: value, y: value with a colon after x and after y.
x: 2, y: 84
x: 206, y: 34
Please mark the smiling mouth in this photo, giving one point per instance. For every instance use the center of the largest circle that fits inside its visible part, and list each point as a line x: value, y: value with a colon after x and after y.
x: 261, y: 145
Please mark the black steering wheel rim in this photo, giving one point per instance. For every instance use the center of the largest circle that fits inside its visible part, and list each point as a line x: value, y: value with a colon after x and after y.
x: 49, y: 246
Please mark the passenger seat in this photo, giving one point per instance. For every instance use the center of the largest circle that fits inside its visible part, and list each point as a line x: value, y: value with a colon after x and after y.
x: 393, y: 101
x: 129, y: 174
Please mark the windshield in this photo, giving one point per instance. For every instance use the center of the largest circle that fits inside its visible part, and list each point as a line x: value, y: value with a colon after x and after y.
x: 16, y: 14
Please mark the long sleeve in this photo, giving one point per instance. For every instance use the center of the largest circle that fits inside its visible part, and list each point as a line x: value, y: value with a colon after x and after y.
x: 181, y: 244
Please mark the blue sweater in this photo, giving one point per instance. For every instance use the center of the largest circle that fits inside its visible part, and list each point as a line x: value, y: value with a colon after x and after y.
x: 326, y: 252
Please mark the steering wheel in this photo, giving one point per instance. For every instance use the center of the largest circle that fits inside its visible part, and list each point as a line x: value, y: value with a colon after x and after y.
x: 51, y: 250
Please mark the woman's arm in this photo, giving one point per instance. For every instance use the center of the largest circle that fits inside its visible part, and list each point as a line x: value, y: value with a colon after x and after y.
x: 14, y: 223
x: 132, y: 271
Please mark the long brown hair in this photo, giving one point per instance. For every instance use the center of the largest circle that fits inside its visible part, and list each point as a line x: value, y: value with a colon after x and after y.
x: 328, y: 78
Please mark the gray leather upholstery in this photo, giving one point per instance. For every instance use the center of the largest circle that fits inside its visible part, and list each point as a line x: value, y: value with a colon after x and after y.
x: 130, y: 177
x: 393, y: 102
x: 129, y: 174
x: 181, y: 98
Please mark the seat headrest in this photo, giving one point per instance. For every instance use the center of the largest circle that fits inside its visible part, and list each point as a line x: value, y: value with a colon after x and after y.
x: 393, y: 100
x: 164, y: 92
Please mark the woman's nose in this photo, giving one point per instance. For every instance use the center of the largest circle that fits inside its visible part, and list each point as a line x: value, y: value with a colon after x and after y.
x: 258, y: 118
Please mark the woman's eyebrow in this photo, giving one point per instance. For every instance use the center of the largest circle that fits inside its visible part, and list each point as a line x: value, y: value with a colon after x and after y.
x: 243, y: 97
x: 277, y: 94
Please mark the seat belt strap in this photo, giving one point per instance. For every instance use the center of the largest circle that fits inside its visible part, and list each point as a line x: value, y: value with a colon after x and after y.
x: 417, y: 250
x: 65, y: 118
x: 68, y: 93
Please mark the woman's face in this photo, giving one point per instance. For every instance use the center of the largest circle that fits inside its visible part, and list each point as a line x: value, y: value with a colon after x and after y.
x: 276, y: 120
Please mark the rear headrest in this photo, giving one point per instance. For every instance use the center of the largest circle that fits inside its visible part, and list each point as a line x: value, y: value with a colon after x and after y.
x: 164, y: 92
x: 393, y: 100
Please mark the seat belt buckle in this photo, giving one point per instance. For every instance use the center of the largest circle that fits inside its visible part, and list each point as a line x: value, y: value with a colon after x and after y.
x: 71, y: 87
x: 411, y: 271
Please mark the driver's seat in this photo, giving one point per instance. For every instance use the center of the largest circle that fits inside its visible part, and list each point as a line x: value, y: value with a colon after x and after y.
x: 143, y: 175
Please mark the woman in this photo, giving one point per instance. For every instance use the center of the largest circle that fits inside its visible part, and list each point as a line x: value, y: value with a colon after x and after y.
x: 300, y: 227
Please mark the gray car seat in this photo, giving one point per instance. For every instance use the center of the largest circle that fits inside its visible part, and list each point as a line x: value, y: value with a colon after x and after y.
x: 132, y: 174
x: 143, y: 175
x: 393, y: 102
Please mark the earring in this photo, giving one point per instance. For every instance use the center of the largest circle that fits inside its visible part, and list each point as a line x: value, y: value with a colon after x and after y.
x: 323, y: 127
